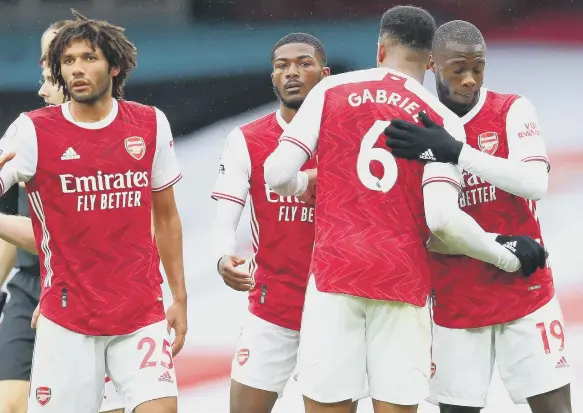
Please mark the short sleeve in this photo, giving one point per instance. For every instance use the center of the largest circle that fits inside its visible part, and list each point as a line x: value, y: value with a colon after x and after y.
x: 525, y: 141
x: 442, y: 172
x: 165, y: 171
x: 20, y: 138
x: 304, y: 129
x: 234, y: 173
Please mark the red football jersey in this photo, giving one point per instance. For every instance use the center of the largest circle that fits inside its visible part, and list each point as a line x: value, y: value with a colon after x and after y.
x: 370, y: 220
x: 469, y: 293
x: 90, y: 189
x: 282, y: 227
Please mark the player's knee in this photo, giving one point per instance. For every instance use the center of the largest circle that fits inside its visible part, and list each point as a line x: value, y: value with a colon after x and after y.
x: 449, y: 408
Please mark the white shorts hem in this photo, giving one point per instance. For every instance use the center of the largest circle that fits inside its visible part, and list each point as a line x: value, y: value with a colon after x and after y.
x: 454, y: 401
x: 522, y: 399
x: 259, y: 385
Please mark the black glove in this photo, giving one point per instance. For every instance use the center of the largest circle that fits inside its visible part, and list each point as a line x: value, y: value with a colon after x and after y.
x: 531, y: 254
x: 3, y: 297
x: 431, y: 143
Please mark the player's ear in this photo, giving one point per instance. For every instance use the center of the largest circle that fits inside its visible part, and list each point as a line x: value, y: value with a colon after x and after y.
x: 431, y: 64
x: 272, y: 80
x: 325, y: 72
x: 381, y: 53
x: 114, y: 71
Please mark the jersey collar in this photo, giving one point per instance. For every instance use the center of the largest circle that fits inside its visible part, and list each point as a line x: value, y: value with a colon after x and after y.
x: 282, y: 123
x: 476, y: 109
x: 91, y: 125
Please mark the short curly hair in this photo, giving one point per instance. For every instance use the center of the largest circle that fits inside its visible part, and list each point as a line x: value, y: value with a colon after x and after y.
x: 409, y: 26
x: 116, y: 47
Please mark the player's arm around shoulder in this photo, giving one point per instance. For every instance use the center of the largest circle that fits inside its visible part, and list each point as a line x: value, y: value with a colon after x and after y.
x: 457, y: 232
x: 297, y: 144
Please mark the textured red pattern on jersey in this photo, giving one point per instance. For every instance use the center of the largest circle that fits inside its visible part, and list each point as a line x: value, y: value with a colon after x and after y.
x: 368, y: 243
x: 99, y: 265
x: 470, y: 293
x: 283, y: 235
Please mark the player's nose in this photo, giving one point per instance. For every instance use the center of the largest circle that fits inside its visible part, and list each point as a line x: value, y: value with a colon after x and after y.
x: 42, y: 93
x: 293, y: 71
x: 469, y: 81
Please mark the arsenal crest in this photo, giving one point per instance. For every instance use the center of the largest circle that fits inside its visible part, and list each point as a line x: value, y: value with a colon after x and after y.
x: 242, y: 356
x: 136, y: 147
x: 488, y: 142
x: 43, y: 395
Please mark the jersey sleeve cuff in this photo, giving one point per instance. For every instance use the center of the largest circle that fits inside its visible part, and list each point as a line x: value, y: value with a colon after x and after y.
x: 451, y: 181
x: 539, y: 159
x: 220, y: 195
x: 167, y: 184
x: 298, y: 143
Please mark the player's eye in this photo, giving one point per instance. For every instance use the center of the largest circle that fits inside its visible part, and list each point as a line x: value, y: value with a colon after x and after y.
x: 91, y: 58
x: 282, y: 66
x: 306, y: 63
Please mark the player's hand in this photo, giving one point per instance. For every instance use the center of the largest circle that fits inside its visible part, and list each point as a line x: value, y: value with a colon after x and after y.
x: 309, y: 197
x: 530, y: 253
x: 430, y: 143
x: 5, y: 157
x: 176, y: 317
x: 35, y: 315
x: 236, y: 279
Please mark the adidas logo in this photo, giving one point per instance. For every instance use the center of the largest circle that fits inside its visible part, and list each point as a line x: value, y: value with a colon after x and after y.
x: 427, y: 155
x: 166, y: 377
x: 562, y: 363
x: 511, y: 246
x: 70, y: 154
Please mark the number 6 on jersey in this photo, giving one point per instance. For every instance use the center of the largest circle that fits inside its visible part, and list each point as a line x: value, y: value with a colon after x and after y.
x: 369, y: 153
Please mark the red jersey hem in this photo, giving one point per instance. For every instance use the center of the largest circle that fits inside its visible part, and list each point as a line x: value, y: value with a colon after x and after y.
x: 490, y: 323
x: 113, y: 332
x: 416, y: 302
x: 275, y: 320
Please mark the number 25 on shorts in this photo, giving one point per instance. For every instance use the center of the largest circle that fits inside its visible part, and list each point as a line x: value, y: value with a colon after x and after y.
x: 557, y: 332
x: 149, y: 360
x: 369, y: 153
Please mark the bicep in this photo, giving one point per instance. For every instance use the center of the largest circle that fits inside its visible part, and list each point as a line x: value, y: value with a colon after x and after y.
x: 164, y: 203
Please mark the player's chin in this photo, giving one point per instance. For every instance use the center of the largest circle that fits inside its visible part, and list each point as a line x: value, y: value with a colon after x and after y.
x: 294, y: 102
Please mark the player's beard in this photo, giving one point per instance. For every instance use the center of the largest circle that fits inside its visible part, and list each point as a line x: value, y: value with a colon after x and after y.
x: 95, y: 96
x: 459, y: 109
x: 292, y: 104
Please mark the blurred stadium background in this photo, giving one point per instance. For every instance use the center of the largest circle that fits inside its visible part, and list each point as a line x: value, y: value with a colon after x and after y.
x: 206, y: 64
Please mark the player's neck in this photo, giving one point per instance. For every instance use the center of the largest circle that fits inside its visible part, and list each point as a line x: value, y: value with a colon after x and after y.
x: 287, y: 113
x: 405, y: 62
x: 89, y: 113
